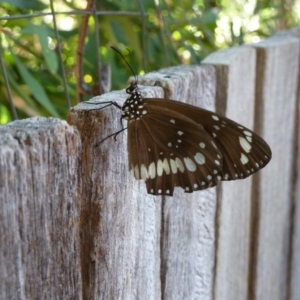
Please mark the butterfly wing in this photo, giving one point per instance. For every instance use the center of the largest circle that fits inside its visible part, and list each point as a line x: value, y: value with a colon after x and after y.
x: 168, y: 149
x: 243, y: 151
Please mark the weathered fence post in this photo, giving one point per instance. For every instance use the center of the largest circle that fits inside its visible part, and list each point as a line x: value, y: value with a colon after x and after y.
x: 276, y: 93
x: 236, y: 70
x: 120, y: 223
x: 39, y: 210
x: 171, y: 237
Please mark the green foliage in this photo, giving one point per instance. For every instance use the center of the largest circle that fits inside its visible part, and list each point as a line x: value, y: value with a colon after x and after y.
x: 160, y: 34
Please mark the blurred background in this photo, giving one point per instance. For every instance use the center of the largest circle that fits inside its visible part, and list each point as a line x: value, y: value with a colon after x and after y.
x: 54, y: 54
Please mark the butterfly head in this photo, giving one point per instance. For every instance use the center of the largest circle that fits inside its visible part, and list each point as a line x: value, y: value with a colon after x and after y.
x: 133, y: 88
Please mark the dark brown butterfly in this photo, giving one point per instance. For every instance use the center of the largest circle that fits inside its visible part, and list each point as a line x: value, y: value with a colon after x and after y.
x: 173, y: 144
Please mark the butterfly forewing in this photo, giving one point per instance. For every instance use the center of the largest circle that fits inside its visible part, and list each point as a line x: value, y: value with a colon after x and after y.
x: 168, y: 149
x: 243, y: 151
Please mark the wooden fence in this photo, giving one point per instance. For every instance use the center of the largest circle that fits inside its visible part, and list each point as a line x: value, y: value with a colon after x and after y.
x: 75, y: 224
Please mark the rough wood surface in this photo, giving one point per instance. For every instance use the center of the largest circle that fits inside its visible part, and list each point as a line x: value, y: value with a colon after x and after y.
x: 294, y: 264
x: 188, y: 232
x: 276, y: 91
x: 138, y: 245
x: 294, y: 279
x: 120, y: 223
x: 39, y: 236
x: 235, y: 69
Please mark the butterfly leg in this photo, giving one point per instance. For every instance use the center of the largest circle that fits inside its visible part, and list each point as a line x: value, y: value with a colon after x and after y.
x: 114, y: 135
x: 108, y: 103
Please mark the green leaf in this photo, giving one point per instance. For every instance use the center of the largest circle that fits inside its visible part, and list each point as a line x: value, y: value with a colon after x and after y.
x: 26, y: 4
x: 49, y: 55
x: 24, y: 95
x: 36, y: 88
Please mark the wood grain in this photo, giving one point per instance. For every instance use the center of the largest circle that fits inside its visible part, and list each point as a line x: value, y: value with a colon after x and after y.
x: 130, y: 233
x: 188, y: 231
x: 120, y: 223
x: 294, y: 267
x: 39, y: 232
x: 276, y: 91
x: 235, y: 69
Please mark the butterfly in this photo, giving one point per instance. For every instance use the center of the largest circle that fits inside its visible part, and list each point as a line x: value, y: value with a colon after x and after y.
x: 174, y: 144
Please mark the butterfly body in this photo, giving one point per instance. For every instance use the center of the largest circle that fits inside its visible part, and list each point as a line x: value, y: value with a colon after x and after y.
x: 133, y: 107
x: 174, y: 144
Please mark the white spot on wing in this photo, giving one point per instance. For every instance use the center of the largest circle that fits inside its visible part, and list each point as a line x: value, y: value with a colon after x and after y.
x: 249, y: 139
x: 245, y: 145
x: 180, y: 132
x: 144, y: 173
x: 173, y: 166
x: 166, y: 166
x: 152, y: 170
x: 172, y: 121
x: 199, y: 158
x: 244, y: 159
x: 190, y: 165
x: 202, y: 145
x: 195, y: 185
x: 247, y: 133
x: 215, y: 117
x: 170, y: 144
x: 136, y: 172
x: 209, y: 177
x: 179, y: 164
x: 159, y: 167
x: 217, y: 162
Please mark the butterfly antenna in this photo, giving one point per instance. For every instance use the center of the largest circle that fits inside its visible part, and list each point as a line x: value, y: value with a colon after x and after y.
x: 134, y: 61
x: 115, y: 49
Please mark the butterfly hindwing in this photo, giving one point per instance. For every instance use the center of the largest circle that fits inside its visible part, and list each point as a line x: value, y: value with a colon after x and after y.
x: 167, y: 149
